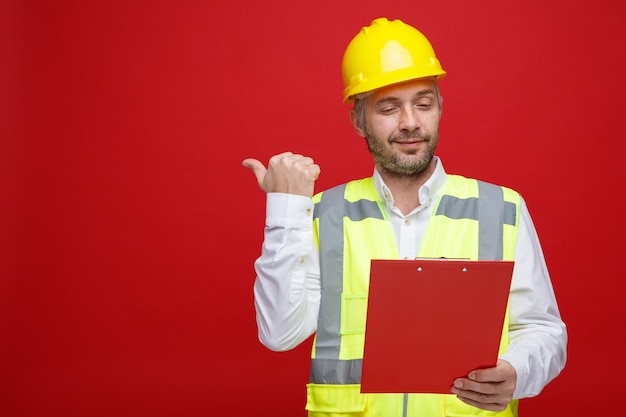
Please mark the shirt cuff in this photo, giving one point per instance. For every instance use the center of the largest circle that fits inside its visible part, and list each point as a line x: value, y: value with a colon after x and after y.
x: 289, y: 210
x: 522, y: 375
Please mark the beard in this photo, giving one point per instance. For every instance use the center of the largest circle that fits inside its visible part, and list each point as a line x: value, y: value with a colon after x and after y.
x: 398, y: 164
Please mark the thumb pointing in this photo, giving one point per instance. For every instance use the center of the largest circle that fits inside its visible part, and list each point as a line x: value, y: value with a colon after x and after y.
x: 257, y: 168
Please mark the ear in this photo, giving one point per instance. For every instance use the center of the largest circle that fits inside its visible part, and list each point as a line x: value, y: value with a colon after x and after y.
x: 354, y: 118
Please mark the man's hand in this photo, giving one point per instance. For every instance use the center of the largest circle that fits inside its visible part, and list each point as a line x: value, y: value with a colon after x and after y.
x: 490, y: 388
x: 286, y: 173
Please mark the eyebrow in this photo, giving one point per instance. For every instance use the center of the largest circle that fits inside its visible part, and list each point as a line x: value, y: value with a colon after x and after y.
x: 392, y: 98
x: 425, y: 92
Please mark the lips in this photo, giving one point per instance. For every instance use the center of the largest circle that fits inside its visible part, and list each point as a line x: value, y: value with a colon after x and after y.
x: 408, y: 141
x: 404, y: 140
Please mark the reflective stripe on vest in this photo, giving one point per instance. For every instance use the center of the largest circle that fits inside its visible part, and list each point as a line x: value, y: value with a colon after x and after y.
x: 490, y: 210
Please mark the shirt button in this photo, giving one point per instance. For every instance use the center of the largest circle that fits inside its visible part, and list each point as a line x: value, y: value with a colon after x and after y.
x: 308, y: 212
x: 407, y: 222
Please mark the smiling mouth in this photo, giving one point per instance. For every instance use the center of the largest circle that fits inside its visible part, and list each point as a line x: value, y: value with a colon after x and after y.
x: 402, y: 139
x: 408, y: 141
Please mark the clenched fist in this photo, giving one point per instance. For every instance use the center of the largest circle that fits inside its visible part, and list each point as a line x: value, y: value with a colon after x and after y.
x: 287, y: 173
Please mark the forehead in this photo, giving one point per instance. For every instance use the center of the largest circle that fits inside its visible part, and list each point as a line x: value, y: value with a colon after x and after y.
x: 408, y: 89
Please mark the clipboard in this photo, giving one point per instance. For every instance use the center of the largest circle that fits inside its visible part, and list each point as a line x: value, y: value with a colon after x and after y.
x: 430, y: 321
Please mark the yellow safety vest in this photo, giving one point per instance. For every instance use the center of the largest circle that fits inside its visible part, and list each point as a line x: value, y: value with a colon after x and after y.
x: 472, y: 219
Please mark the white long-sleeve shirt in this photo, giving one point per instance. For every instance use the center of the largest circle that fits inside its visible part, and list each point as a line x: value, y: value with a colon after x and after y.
x: 287, y: 286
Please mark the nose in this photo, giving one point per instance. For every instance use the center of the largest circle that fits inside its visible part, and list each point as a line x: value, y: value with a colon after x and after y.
x: 409, y: 119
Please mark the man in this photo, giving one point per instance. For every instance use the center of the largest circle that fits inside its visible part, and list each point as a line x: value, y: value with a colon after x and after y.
x: 313, y: 272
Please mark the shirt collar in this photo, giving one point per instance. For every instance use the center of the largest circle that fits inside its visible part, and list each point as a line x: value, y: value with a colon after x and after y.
x: 428, y: 192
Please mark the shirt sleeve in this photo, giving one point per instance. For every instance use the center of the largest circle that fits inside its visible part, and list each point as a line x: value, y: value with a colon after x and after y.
x: 537, y: 335
x: 287, y: 285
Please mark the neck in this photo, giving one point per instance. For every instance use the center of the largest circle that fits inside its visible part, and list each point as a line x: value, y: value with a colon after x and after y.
x: 405, y: 188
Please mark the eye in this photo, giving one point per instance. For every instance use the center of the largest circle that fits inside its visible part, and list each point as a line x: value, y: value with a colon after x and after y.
x: 387, y: 109
x: 424, y: 103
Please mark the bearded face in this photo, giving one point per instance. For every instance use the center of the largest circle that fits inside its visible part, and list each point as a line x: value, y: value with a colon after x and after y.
x: 400, y: 124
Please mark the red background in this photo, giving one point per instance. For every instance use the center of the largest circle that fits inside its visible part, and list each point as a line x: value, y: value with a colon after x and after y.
x: 129, y: 227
